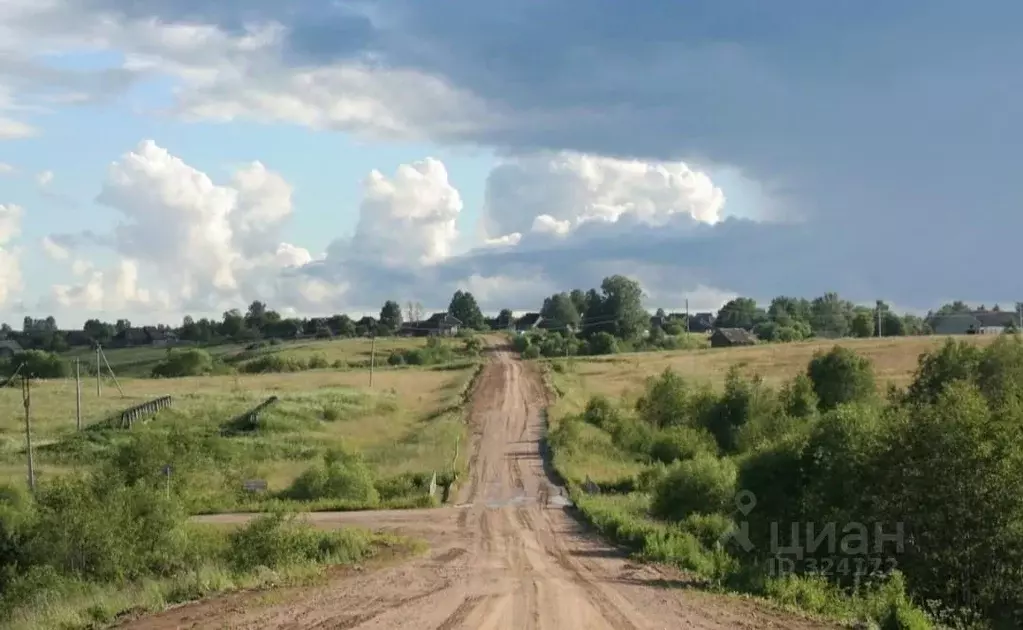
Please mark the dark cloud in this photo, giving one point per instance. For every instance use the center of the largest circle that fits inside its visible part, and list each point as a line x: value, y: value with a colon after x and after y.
x: 900, y: 146
x: 893, y: 126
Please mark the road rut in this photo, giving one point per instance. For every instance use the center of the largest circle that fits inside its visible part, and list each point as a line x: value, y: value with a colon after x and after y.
x: 498, y: 560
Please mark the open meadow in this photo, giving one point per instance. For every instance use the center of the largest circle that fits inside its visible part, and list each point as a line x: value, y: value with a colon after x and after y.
x: 341, y: 353
x: 623, y: 378
x: 894, y: 360
x: 409, y: 421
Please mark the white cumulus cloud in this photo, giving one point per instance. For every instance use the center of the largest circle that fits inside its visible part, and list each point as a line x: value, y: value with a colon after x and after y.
x: 556, y: 193
x: 409, y: 219
x: 205, y: 244
x: 188, y: 244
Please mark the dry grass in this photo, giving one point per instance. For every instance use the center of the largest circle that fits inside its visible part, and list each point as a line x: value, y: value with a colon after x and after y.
x: 53, y: 402
x: 399, y: 424
x: 894, y: 359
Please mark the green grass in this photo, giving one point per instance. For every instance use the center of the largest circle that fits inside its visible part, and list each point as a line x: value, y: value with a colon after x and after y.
x: 268, y: 553
x: 411, y: 421
x: 138, y: 361
x: 339, y: 353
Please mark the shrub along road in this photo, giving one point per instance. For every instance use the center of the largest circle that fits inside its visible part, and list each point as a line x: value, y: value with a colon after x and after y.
x: 497, y: 559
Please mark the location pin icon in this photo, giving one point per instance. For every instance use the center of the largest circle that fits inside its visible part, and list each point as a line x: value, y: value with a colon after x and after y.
x: 745, y: 501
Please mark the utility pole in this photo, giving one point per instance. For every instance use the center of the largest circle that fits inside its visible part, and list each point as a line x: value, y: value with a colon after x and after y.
x: 687, y: 318
x: 26, y: 396
x: 78, y: 394
x: 372, y: 359
x: 880, y: 332
x: 98, y: 372
x: 113, y: 376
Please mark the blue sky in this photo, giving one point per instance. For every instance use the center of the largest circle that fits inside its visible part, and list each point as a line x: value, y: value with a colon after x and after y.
x: 706, y: 149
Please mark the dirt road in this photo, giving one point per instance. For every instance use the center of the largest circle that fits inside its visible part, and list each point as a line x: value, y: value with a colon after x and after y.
x: 497, y: 560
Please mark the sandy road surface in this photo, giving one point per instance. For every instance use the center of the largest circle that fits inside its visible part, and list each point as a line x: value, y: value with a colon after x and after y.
x: 498, y: 560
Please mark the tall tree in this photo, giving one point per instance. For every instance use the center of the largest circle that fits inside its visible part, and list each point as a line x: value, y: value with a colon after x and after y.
x: 863, y: 324
x: 504, y: 318
x: 390, y: 316
x: 342, y: 325
x: 620, y: 311
x: 560, y: 309
x: 830, y: 316
x: 100, y: 332
x: 741, y: 312
x: 463, y: 306
x: 785, y: 311
x: 578, y: 297
x: 255, y: 316
x: 232, y: 324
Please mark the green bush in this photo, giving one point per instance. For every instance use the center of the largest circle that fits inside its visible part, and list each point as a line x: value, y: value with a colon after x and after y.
x: 277, y: 540
x: 602, y: 413
x: 473, y: 345
x: 184, y: 362
x: 531, y: 352
x: 840, y: 376
x: 318, y: 362
x: 340, y: 476
x: 681, y: 443
x: 745, y: 401
x: 273, y: 363
x: 954, y: 361
x: 798, y: 398
x: 36, y: 364
x: 634, y: 436
x: 603, y: 343
x: 435, y: 352
x: 704, y: 484
x: 404, y: 485
x: 71, y: 555
x: 520, y: 343
x: 665, y: 401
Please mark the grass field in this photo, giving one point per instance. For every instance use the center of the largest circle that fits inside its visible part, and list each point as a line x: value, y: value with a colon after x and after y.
x: 894, y: 360
x: 354, y: 353
x: 407, y: 422
x: 623, y: 377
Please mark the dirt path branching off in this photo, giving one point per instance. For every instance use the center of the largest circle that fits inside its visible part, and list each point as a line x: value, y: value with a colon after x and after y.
x: 498, y: 559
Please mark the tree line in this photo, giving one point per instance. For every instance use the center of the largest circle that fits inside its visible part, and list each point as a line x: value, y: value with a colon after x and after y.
x: 615, y: 308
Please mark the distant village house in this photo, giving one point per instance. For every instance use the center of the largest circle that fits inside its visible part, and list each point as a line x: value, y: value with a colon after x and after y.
x: 975, y: 323
x: 732, y: 337
x: 9, y: 348
x: 438, y: 324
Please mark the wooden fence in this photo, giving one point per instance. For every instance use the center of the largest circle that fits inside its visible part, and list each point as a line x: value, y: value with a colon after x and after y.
x: 132, y: 414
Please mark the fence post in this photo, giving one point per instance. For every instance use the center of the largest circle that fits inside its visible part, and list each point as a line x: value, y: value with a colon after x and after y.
x: 78, y: 394
x: 26, y: 395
